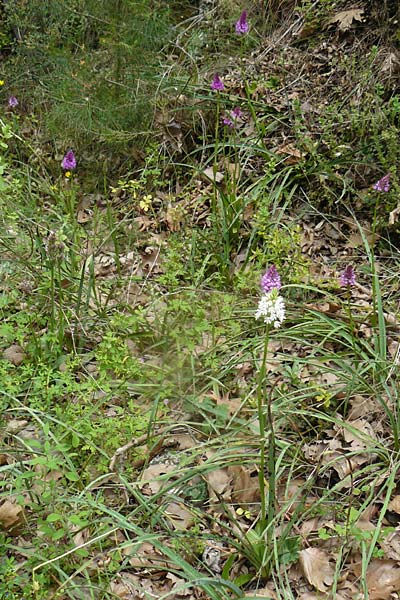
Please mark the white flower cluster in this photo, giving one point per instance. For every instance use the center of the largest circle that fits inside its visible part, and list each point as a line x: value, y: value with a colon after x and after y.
x: 271, y: 308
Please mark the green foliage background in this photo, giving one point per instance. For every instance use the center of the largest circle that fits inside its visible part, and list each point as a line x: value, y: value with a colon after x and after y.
x: 87, y: 68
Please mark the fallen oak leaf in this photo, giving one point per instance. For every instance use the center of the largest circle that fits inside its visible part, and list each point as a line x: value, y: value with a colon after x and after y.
x: 383, y: 578
x: 316, y: 568
x: 345, y: 18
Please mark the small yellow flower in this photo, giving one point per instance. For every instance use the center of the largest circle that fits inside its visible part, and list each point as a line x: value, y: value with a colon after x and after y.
x: 67, y: 174
x: 145, y: 203
x: 2, y: 82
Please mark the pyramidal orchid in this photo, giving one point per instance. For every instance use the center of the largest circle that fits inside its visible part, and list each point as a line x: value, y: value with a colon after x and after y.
x: 217, y: 84
x: 270, y: 280
x: 69, y: 161
x: 271, y: 307
x: 383, y: 185
x: 242, y: 26
x: 348, y: 277
x: 13, y: 102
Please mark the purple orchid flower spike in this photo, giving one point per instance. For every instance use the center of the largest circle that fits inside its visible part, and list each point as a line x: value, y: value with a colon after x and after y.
x: 348, y: 277
x: 383, y: 185
x: 13, y: 102
x: 217, y: 84
x: 270, y: 280
x: 242, y: 26
x: 69, y: 161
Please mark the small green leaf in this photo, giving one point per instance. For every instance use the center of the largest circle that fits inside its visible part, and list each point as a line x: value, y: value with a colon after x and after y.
x: 53, y: 517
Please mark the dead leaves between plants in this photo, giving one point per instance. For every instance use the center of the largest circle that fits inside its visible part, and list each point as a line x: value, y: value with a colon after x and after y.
x: 128, y: 586
x: 382, y: 577
x: 351, y: 442
x: 12, y: 517
x: 345, y: 18
x: 317, y: 568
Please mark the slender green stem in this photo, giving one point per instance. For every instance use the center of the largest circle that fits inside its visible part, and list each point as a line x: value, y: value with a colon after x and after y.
x: 261, y: 393
x: 352, y: 324
x: 271, y: 473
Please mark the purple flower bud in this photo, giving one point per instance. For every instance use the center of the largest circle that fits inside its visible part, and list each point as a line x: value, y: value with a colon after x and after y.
x: 217, y: 84
x: 69, y: 161
x: 228, y: 122
x: 236, y: 113
x: 348, y: 277
x: 12, y: 102
x: 383, y: 185
x: 270, y: 280
x: 242, y: 26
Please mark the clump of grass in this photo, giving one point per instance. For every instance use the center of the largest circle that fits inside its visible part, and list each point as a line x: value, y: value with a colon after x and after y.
x: 87, y: 69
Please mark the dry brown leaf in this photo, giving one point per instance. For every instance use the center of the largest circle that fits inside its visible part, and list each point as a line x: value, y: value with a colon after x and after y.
x: 150, y: 481
x: 180, y: 517
x: 233, y: 405
x: 266, y: 592
x: 128, y: 586
x: 218, y: 483
x: 293, y: 154
x: 391, y: 64
x: 313, y: 596
x: 345, y: 18
x: 394, y: 504
x: 356, y: 239
x: 383, y: 578
x: 144, y: 222
x: 245, y: 487
x: 209, y: 174
x: 84, y: 216
x: 394, y: 216
x: 81, y: 536
x: 151, y: 260
x: 359, y: 434
x: 15, y: 426
x: 184, y: 441
x: 11, y: 517
x: 14, y: 354
x: 179, y: 588
x: 361, y: 407
x: 344, y: 465
x: 311, y: 525
x: 145, y: 556
x: 328, y: 308
x: 316, y: 568
x: 292, y: 494
x: 124, y: 589
x: 390, y: 545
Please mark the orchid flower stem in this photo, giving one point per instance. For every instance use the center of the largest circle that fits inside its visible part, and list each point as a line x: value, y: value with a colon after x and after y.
x: 271, y: 473
x: 352, y: 324
x: 261, y: 394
